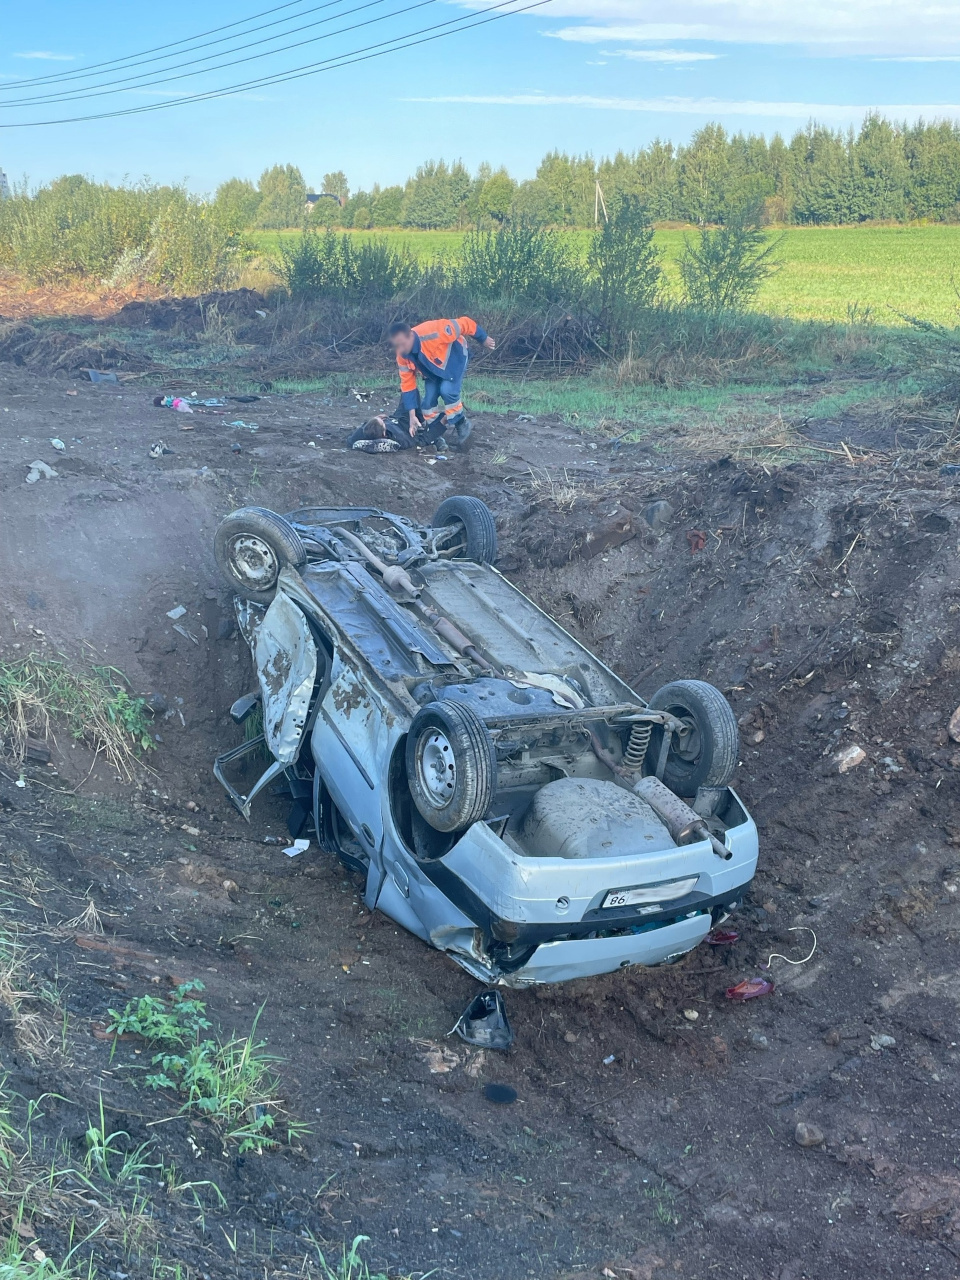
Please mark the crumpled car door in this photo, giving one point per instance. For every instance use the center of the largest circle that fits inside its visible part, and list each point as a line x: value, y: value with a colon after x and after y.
x: 286, y: 661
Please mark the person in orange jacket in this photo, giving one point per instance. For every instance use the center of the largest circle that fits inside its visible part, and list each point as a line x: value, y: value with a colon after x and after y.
x: 436, y: 351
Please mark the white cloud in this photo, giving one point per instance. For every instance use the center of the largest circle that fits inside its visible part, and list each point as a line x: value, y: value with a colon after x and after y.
x: 946, y: 57
x: 714, y: 108
x: 661, y: 55
x: 44, y: 55
x: 830, y: 27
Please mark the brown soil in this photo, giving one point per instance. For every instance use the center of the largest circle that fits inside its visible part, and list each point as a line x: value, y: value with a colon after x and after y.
x: 823, y: 599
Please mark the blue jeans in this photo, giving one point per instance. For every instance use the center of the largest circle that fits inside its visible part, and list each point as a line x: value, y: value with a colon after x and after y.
x: 447, y: 390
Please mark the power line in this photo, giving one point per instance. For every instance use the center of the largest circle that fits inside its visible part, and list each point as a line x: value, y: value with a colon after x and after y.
x: 425, y: 36
x: 131, y: 57
x: 140, y: 82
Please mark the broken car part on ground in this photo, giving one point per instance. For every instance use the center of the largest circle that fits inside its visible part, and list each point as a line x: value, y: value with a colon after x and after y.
x: 507, y: 798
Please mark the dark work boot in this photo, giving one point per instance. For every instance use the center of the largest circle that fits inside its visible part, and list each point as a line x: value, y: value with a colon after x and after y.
x: 463, y: 427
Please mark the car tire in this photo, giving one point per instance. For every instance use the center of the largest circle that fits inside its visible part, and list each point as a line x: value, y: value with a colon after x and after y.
x: 251, y: 546
x: 708, y: 756
x: 451, y: 765
x: 476, y: 520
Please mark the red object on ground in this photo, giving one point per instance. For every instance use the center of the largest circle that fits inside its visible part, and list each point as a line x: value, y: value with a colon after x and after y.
x: 722, y: 937
x: 749, y: 989
x: 697, y: 539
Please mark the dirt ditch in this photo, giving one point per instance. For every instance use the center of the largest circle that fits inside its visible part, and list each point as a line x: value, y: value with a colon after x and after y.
x: 655, y: 1128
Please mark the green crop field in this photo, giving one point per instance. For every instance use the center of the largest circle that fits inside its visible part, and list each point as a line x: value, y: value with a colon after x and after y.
x: 877, y: 273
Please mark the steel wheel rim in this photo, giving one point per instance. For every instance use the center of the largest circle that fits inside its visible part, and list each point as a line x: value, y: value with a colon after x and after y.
x: 686, y: 743
x: 254, y: 562
x: 436, y: 768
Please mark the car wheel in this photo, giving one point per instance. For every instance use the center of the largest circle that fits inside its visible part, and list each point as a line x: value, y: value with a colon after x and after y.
x: 251, y: 546
x: 473, y: 531
x: 451, y: 765
x: 705, y: 753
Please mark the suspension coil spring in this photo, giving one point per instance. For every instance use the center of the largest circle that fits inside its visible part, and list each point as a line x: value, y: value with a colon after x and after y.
x: 637, y: 746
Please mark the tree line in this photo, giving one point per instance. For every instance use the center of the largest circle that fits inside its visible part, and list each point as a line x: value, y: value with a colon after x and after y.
x: 882, y: 171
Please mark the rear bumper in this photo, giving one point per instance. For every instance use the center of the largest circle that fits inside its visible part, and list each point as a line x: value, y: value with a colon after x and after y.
x: 588, y: 957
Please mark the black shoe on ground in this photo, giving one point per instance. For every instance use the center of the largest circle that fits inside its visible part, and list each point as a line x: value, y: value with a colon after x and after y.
x: 464, y: 428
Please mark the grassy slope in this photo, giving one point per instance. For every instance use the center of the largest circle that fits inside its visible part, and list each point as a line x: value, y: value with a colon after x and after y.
x: 882, y: 271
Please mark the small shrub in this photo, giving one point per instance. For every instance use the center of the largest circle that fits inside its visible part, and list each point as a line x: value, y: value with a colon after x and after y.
x: 723, y: 269
x: 625, y: 272
x: 229, y: 1082
x: 518, y: 262
x: 322, y: 264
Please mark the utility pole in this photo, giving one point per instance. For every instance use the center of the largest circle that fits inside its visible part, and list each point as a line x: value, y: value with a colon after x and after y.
x: 4, y: 186
x: 598, y: 204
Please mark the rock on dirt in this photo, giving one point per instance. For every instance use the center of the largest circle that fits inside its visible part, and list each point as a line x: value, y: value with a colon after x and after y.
x: 807, y: 1135
x: 953, y: 727
x: 849, y: 758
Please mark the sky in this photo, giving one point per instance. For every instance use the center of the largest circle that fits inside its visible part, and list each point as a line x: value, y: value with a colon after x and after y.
x: 577, y: 75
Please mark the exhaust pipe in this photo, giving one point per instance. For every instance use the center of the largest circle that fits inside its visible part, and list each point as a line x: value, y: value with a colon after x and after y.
x: 685, y: 825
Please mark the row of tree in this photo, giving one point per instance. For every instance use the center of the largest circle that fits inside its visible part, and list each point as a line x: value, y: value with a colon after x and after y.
x: 883, y: 170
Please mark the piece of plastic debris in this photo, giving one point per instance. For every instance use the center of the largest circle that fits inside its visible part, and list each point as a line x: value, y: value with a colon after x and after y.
x: 20, y: 783
x: 242, y: 399
x: 807, y: 1135
x: 799, y: 928
x: 484, y: 1022
x: 176, y: 612
x: 160, y: 450
x: 173, y: 402
x: 311, y: 444
x: 526, y: 417
x: 299, y: 846
x: 691, y: 1015
x: 750, y: 989
x: 38, y: 469
x: 58, y: 444
x: 261, y: 314
x: 215, y: 402
x: 97, y: 375
x: 849, y: 757
x: 878, y: 1042
x: 953, y: 726
x: 722, y: 937
x: 244, y: 426
x: 73, y: 393
x: 503, y: 1094
x: 187, y: 635
x: 191, y: 831
x: 610, y: 1058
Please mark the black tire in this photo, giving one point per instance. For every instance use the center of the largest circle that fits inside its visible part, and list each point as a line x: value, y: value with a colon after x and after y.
x: 251, y: 546
x: 707, y: 756
x: 451, y: 765
x: 476, y: 521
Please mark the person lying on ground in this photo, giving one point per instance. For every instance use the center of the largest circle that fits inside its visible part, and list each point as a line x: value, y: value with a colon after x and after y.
x: 384, y: 433
x: 436, y: 351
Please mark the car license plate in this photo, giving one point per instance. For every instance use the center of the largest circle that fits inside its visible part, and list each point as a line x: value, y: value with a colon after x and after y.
x: 630, y: 898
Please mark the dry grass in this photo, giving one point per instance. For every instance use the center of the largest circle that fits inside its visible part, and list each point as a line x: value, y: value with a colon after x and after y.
x: 29, y: 1009
x: 93, y: 706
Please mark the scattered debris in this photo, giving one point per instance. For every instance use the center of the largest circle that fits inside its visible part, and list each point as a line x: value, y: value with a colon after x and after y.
x: 298, y: 847
x: 749, y: 989
x: 502, y: 1094
x: 722, y: 937
x: 609, y: 1059
x: 881, y: 1041
x: 177, y: 403
x: 658, y: 514
x: 38, y: 469
x: 191, y: 831
x: 58, y: 444
x: 691, y: 1015
x: 849, y: 757
x: 800, y: 928
x: 187, y: 635
x: 526, y: 417
x: 484, y: 1022
x: 438, y: 1059
x: 756, y: 1040
x: 697, y: 540
x: 231, y: 886
x: 244, y: 426
x: 953, y: 726
x: 807, y: 1135
x: 176, y: 612
x: 97, y: 375
x: 159, y: 450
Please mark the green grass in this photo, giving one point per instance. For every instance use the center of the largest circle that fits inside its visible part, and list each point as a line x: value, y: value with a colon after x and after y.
x: 93, y: 706
x: 874, y: 273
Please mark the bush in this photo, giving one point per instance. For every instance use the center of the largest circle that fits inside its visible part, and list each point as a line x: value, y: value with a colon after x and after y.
x: 517, y: 263
x: 625, y: 276
x: 723, y: 269
x: 320, y: 264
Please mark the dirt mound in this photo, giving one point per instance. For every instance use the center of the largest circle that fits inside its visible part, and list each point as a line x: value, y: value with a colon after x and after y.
x: 190, y: 315
x: 59, y: 351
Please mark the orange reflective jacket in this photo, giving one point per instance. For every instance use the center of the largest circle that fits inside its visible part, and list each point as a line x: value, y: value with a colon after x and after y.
x: 439, y: 351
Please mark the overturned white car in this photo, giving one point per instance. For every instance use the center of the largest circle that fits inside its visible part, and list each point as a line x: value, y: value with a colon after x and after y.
x: 508, y: 799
